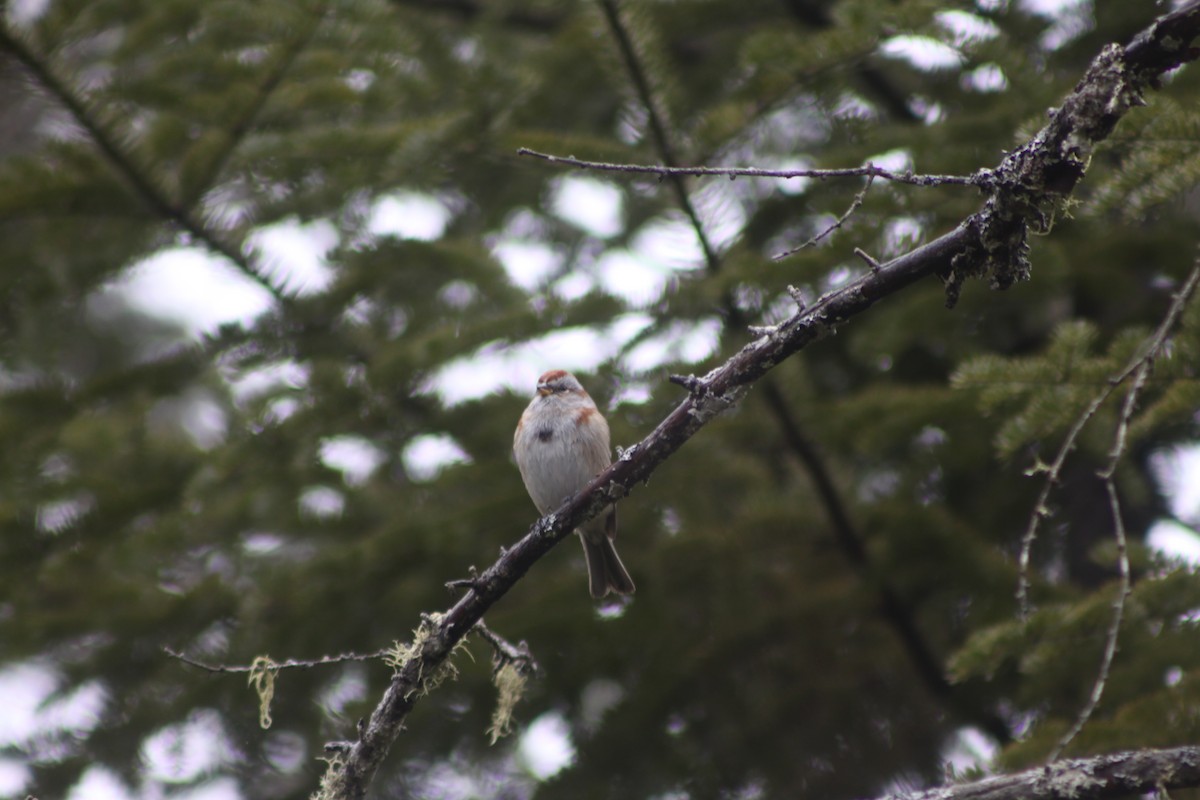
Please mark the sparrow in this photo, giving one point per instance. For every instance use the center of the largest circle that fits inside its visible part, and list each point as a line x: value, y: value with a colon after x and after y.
x: 561, y: 443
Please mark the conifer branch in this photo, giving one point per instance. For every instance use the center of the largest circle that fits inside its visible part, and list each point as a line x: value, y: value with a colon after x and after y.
x: 1045, y: 170
x: 124, y: 162
x: 244, y: 122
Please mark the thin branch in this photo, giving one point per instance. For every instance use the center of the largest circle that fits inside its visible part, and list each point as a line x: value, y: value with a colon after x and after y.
x: 123, y: 162
x: 507, y: 652
x: 1139, y: 366
x: 292, y: 663
x: 1118, y: 74
x: 836, y: 225
x: 983, y: 178
x: 1144, y: 367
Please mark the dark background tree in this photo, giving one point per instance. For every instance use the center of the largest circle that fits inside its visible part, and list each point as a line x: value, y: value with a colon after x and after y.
x: 826, y: 578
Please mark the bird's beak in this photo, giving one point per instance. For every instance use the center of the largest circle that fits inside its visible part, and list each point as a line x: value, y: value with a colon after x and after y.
x: 544, y: 389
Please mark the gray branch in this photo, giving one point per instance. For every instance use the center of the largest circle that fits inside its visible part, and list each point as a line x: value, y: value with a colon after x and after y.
x: 1117, y: 775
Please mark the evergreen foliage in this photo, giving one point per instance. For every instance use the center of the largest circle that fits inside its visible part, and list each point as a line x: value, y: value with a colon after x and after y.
x: 795, y: 562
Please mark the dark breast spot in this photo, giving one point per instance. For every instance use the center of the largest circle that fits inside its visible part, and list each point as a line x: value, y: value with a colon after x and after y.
x: 545, y: 434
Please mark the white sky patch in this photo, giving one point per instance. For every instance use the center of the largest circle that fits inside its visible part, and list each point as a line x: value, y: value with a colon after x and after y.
x: 353, y: 456
x: 966, y: 29
x: 1178, y: 469
x: 426, y: 456
x: 23, y: 688
x: 499, y: 366
x: 638, y: 281
x: 15, y: 777
x: 892, y: 160
x: 183, y: 752
x: 574, y: 285
x: 267, y: 379
x: 409, y: 215
x: 671, y: 242
x: 922, y: 52
x: 322, y: 502
x: 292, y: 255
x: 29, y: 711
x: 592, y: 205
x: 193, y: 287
x: 681, y: 341
x: 985, y: 78
x: 1070, y: 20
x: 722, y: 213
x: 901, y: 234
x: 528, y: 263
x: 969, y: 749
x: 1175, y: 541
x: 545, y: 747
x: 100, y: 782
x: 26, y: 12
x: 795, y: 186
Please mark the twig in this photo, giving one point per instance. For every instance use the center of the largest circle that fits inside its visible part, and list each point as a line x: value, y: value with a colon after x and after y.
x: 983, y: 178
x: 1145, y: 365
x: 507, y: 652
x: 1137, y: 366
x: 854, y: 206
x: 291, y: 663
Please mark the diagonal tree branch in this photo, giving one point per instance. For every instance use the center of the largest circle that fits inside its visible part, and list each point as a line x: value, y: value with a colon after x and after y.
x: 1030, y: 179
x: 123, y: 162
x: 893, y: 608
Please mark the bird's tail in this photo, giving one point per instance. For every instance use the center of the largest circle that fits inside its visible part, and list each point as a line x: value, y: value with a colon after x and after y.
x: 606, y: 573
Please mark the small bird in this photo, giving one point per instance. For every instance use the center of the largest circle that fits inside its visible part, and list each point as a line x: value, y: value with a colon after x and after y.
x: 560, y: 444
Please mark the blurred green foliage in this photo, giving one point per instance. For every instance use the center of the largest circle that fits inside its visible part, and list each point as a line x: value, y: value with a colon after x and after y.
x: 758, y: 658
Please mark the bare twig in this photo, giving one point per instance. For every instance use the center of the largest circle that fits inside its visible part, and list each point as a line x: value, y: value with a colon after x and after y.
x: 507, y: 652
x: 1139, y: 366
x: 1144, y: 365
x: 983, y: 178
x: 291, y: 663
x: 837, y: 224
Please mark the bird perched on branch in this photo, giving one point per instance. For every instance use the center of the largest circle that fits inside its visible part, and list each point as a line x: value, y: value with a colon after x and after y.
x: 560, y: 444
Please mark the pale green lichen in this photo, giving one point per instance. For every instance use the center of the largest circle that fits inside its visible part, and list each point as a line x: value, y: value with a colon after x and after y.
x: 510, y: 682
x: 262, y: 677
